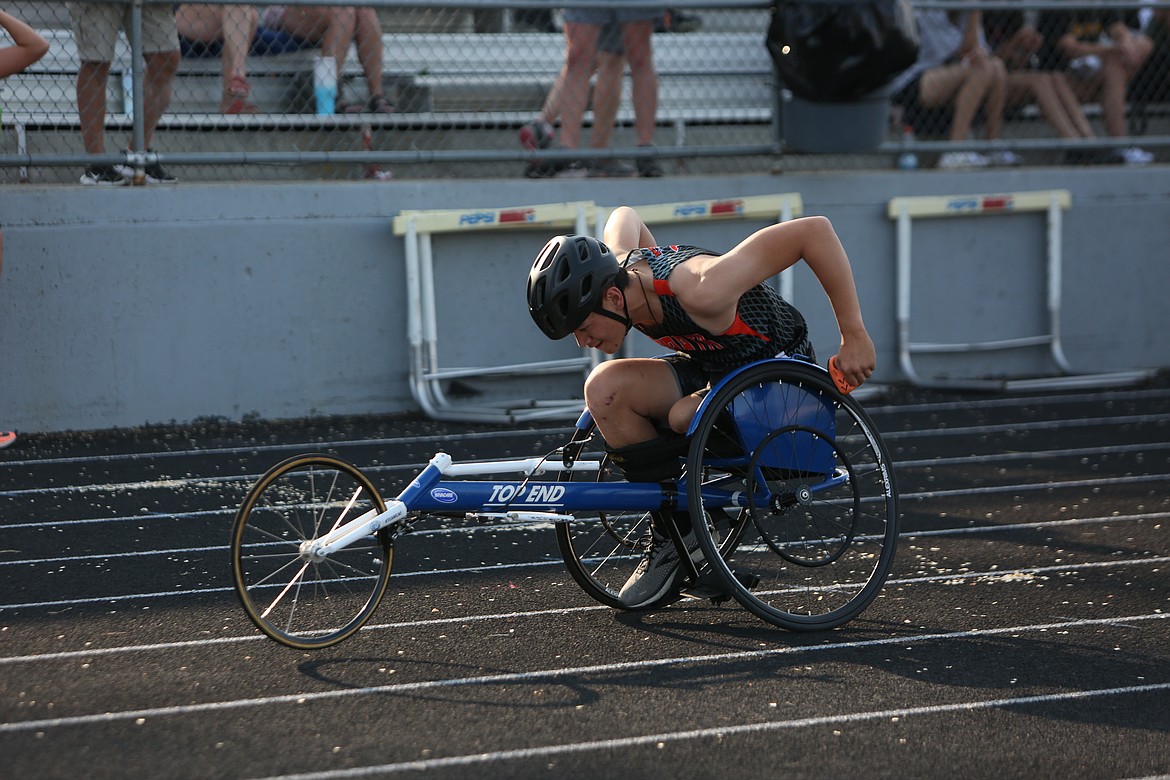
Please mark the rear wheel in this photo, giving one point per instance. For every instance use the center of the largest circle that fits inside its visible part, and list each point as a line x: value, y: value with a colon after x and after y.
x: 819, y: 489
x: 297, y: 601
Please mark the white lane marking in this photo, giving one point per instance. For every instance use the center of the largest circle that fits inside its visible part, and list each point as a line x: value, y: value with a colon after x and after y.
x: 721, y: 732
x: 552, y: 674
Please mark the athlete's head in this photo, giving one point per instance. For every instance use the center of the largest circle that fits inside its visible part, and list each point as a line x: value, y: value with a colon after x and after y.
x: 568, y: 281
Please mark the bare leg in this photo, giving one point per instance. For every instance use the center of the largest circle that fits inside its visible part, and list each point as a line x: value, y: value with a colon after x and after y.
x: 643, y: 77
x: 342, y: 23
x: 580, y: 51
x: 91, y: 104
x: 239, y: 28
x: 966, y: 87
x: 1116, y: 73
x: 607, y: 96
x: 160, y: 75
x: 1072, y: 105
x: 309, y: 23
x: 1039, y: 86
x: 368, y: 37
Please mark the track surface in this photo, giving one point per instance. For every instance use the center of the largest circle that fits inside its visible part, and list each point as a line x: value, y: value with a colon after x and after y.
x: 1023, y: 632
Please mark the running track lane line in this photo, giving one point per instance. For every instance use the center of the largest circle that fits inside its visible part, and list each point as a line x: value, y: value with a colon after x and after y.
x: 719, y: 732
x: 999, y: 575
x: 555, y: 674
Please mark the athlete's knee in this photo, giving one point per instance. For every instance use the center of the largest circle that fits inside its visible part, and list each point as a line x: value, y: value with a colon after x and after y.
x: 605, y: 387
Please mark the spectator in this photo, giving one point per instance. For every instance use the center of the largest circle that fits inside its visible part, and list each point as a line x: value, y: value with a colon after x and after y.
x: 582, y: 29
x: 954, y: 70
x: 718, y: 311
x: 28, y: 47
x: 333, y: 28
x: 231, y: 29
x: 1152, y: 83
x: 539, y: 133
x: 1018, y: 44
x: 1103, y: 50
x: 95, y: 29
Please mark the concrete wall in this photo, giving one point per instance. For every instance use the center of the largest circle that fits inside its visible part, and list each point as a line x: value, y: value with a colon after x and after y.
x: 150, y: 305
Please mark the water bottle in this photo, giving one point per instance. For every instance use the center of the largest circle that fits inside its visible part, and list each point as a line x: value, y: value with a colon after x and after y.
x: 908, y: 160
x: 325, y: 85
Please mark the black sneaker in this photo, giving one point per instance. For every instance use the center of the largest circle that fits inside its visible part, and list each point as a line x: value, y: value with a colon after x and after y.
x: 648, y: 166
x: 155, y: 173
x: 105, y: 175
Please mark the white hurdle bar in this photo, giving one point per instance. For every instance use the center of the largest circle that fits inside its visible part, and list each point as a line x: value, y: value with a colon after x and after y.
x: 427, y: 376
x: 1052, y: 203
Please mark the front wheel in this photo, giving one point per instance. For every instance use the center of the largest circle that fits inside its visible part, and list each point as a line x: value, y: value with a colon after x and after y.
x: 818, y: 486
x: 297, y: 601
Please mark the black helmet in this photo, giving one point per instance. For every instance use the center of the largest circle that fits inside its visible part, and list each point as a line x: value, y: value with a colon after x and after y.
x: 567, y: 282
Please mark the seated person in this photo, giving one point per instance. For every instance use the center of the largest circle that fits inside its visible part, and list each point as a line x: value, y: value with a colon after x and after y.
x: 1102, y: 50
x: 1018, y: 44
x: 333, y: 28
x: 231, y: 29
x: 954, y: 71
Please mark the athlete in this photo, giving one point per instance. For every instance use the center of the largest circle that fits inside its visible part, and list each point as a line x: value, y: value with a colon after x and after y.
x: 716, y: 311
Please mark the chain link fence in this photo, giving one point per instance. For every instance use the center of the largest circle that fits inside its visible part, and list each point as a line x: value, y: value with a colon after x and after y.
x: 451, y: 89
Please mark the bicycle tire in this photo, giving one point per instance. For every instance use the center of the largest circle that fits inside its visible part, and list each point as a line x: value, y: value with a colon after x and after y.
x: 821, y: 487
x: 293, y: 600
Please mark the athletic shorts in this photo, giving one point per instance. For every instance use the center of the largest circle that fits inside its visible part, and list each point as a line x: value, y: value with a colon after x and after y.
x: 693, y: 377
x: 603, y: 15
x: 96, y: 26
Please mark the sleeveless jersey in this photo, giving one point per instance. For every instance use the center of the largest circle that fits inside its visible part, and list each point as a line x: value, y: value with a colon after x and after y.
x: 765, y: 324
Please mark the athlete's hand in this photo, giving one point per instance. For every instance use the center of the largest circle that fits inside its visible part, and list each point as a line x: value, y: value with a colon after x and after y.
x: 854, y: 363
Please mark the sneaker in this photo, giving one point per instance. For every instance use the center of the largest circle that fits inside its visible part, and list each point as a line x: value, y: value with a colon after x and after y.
x: 657, y: 571
x: 155, y: 173
x: 537, y: 134
x: 545, y: 169
x: 1133, y: 155
x: 105, y: 175
x: 7, y: 438
x: 956, y: 160
x: 1006, y: 159
x: 648, y: 167
x: 612, y: 169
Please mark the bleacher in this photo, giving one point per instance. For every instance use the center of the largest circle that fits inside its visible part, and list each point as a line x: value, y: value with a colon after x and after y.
x: 439, y: 81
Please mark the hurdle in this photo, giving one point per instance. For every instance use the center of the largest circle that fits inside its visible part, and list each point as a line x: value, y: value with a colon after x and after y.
x: 417, y: 227
x: 1050, y: 202
x: 426, y: 374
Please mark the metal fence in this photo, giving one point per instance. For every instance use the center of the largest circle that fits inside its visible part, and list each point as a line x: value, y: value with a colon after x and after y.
x: 463, y: 82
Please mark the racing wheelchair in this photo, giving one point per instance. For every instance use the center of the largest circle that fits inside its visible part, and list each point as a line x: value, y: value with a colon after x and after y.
x: 787, y: 483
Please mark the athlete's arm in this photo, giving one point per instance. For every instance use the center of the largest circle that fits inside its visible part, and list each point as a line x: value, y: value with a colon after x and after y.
x: 709, y: 288
x: 625, y: 230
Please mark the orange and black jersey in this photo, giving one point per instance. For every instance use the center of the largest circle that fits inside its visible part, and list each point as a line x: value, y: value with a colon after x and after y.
x: 765, y: 324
